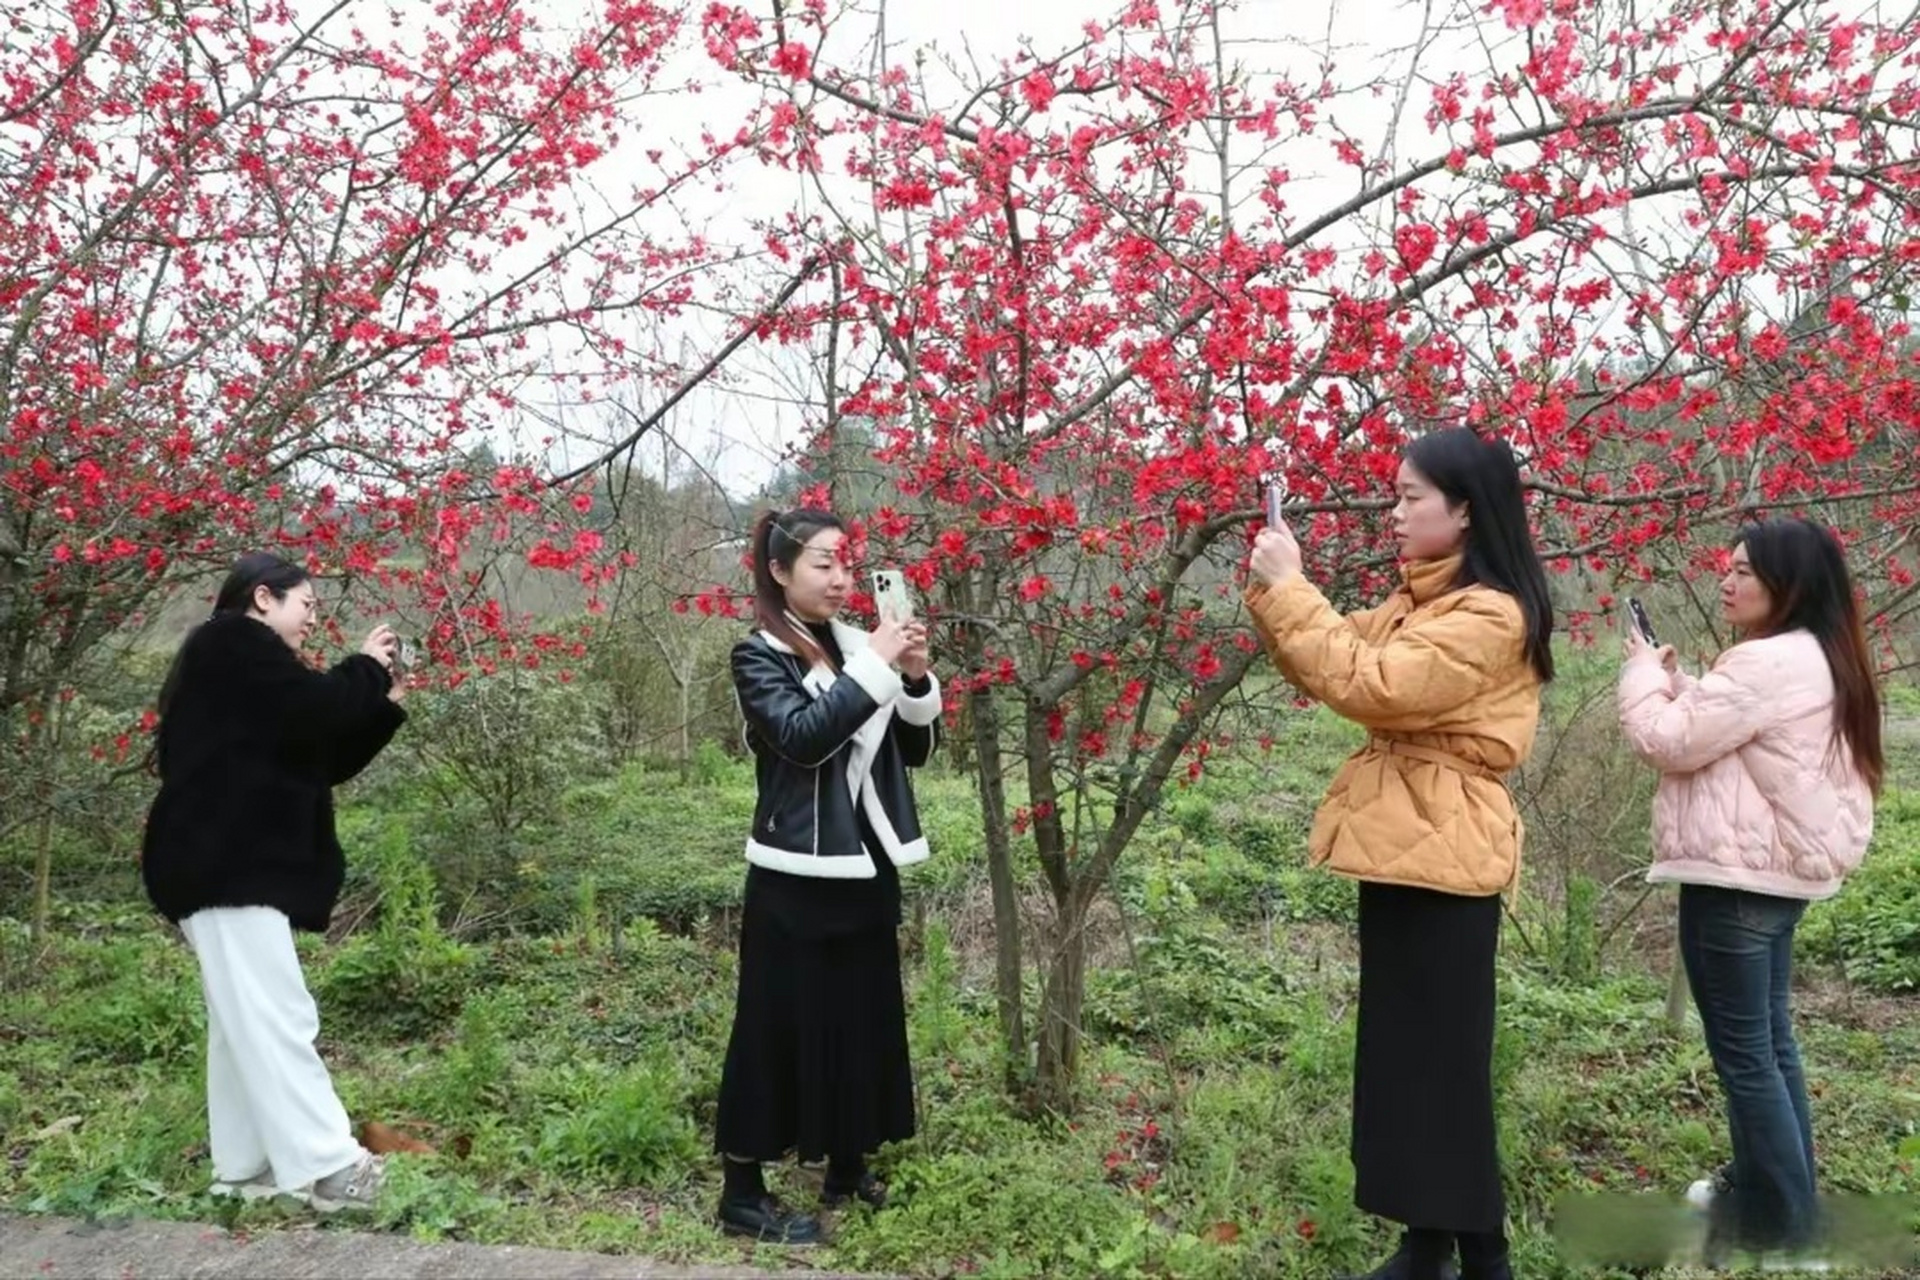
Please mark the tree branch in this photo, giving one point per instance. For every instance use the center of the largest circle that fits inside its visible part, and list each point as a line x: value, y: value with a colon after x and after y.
x: 712, y: 366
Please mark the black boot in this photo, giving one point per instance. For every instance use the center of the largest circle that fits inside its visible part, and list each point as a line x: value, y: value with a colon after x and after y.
x: 1483, y: 1256
x: 769, y: 1222
x: 850, y: 1179
x: 1422, y: 1255
x: 746, y: 1209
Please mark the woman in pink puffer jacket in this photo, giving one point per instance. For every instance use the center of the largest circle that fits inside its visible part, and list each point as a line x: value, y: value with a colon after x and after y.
x: 1769, y: 767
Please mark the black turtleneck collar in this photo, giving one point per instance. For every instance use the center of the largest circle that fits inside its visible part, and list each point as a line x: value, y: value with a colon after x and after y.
x: 822, y: 632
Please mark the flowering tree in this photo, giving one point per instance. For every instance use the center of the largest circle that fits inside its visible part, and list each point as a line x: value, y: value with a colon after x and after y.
x: 270, y: 274
x: 267, y: 275
x: 1088, y: 298
x: 274, y: 275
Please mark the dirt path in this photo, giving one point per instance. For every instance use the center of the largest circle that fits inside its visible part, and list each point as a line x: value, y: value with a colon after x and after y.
x: 32, y: 1247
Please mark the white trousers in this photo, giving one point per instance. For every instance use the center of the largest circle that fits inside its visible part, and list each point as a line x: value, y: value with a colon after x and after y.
x: 270, y: 1101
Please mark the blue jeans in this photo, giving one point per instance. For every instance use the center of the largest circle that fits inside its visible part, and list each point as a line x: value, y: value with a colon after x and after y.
x: 1738, y: 951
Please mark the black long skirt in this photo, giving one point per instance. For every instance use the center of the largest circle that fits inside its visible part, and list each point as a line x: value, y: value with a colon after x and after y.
x: 818, y: 1064
x: 1425, y: 1149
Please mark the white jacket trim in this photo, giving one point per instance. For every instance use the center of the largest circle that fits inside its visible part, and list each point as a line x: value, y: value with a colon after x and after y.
x: 921, y: 711
x: 855, y: 866
x: 883, y: 684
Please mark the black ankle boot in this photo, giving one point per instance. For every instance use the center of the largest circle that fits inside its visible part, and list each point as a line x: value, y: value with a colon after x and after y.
x: 768, y: 1221
x: 1401, y: 1267
x: 848, y: 1178
x: 867, y: 1189
x: 1422, y: 1255
x: 1483, y: 1256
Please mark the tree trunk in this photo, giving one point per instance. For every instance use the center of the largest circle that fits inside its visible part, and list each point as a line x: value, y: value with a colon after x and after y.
x: 960, y: 748
x: 686, y: 728
x: 1058, y: 1064
x: 10, y: 571
x: 1677, y: 994
x: 42, y: 878
x: 990, y: 777
x: 43, y: 747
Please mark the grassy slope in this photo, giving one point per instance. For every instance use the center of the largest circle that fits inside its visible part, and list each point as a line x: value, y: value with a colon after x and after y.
x: 570, y: 1076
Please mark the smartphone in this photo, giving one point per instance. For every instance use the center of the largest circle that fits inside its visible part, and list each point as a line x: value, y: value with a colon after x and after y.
x: 890, y: 598
x: 404, y: 656
x: 1640, y: 620
x: 1276, y: 496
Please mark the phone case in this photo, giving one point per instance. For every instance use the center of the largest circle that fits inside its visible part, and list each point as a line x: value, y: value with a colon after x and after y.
x: 1641, y: 622
x: 1276, y: 495
x: 890, y: 599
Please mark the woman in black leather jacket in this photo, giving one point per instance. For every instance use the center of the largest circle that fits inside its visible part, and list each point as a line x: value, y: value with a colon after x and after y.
x: 817, y: 1064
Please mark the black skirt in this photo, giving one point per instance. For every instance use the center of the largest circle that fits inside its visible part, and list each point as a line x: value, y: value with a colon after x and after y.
x: 1425, y: 1149
x: 817, y: 1064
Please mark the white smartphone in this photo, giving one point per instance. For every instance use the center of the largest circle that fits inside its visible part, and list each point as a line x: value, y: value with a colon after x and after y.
x: 890, y: 598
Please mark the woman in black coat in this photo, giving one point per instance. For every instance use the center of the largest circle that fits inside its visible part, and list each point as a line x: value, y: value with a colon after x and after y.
x: 240, y: 851
x: 817, y: 1064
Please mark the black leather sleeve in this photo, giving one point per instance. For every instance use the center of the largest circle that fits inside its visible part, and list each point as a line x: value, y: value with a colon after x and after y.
x: 917, y: 742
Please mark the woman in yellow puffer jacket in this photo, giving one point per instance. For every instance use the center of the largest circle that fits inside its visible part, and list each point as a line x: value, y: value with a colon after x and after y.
x: 1446, y: 675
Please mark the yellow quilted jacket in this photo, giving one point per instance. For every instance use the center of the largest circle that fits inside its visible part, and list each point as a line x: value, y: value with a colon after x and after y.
x: 1441, y: 679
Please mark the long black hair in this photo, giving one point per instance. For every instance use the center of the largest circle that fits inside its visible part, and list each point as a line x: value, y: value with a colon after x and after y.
x: 1483, y: 476
x: 778, y: 539
x: 1805, y: 573
x: 254, y: 569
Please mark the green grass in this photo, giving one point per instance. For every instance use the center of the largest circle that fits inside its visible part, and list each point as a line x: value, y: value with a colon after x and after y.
x: 562, y: 1044
x: 579, y: 1083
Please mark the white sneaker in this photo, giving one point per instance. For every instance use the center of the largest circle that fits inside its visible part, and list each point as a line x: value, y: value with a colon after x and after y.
x: 260, y: 1186
x: 355, y: 1187
x: 1705, y: 1191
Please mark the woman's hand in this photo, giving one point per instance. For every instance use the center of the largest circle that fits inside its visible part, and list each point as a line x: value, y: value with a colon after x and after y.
x: 1634, y: 645
x: 381, y: 644
x: 1276, y: 555
x: 914, y: 659
x: 893, y: 640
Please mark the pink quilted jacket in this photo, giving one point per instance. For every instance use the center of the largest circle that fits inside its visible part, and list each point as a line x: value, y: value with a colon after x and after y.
x: 1756, y: 792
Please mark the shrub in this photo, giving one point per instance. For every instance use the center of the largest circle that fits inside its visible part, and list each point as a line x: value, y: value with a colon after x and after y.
x: 123, y: 1007
x: 632, y: 1127
x: 404, y: 977
x: 1871, y: 929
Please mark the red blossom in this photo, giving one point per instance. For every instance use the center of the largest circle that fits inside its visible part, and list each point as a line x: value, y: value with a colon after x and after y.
x: 793, y: 60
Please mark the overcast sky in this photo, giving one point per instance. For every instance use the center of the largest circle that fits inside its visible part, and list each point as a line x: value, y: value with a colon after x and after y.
x: 743, y: 431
